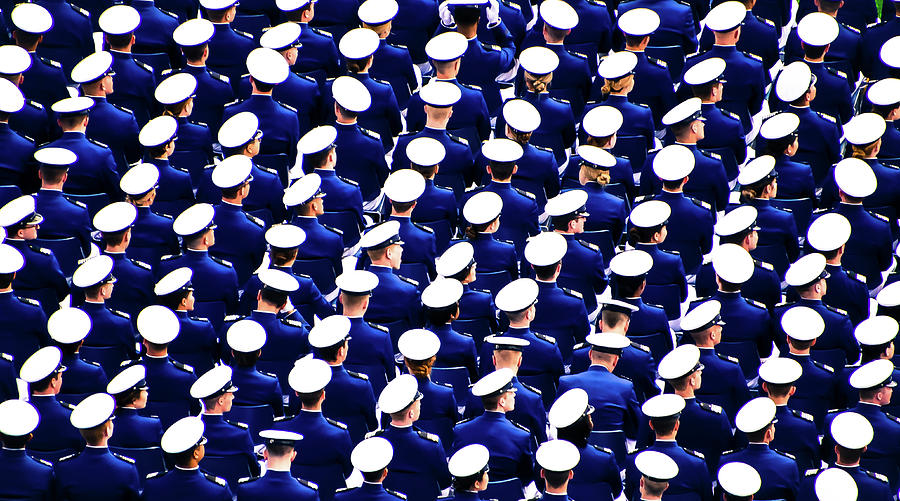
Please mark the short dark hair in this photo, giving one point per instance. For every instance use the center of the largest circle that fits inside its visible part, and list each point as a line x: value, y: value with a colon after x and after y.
x: 814, y: 51
x: 171, y: 301
x: 627, y: 286
x: 466, y: 16
x: 276, y: 297
x: 373, y: 476
x: 329, y: 353
x: 545, y: 272
x: 52, y: 175
x: 556, y: 479
x: 193, y: 52
x: 664, y: 425
x: 262, y: 86
x: 502, y: 170
x: 402, y: 206
x: 461, y: 484
x: 119, y: 41
x: 440, y: 316
x: 310, y: 399
x: 6, y: 279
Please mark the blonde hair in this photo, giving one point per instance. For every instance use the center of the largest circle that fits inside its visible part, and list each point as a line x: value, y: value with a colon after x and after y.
x: 519, y: 136
x: 538, y: 83
x: 617, y: 85
x: 600, y: 176
x: 864, y: 151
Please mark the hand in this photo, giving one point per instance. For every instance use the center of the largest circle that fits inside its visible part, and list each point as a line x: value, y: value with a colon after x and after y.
x: 445, y: 14
x: 493, y: 13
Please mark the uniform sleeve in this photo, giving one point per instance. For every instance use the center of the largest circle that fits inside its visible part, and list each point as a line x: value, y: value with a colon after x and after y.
x: 134, y: 485
x: 230, y: 292
x: 387, y: 357
x: 415, y: 121
x: 323, y: 308
x: 507, y: 52
x: 368, y: 407
x: 632, y: 414
x: 689, y: 34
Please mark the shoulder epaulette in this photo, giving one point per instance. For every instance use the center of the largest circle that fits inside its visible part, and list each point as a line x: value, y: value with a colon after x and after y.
x: 549, y: 339
x: 220, y: 77
x: 222, y: 261
x: 155, y: 474
x: 46, y: 252
x: 370, y: 133
x: 423, y: 227
x: 492, y: 47
x: 376, y: 433
x: 755, y: 303
x: 727, y: 358
x: 348, y: 181
x: 811, y: 473
x: 66, y: 458
x: 287, y: 106
x: 312, y: 485
x: 98, y: 143
x: 43, y: 462
x: 428, y: 436
x: 876, y: 476
x: 589, y: 245
x: 51, y: 62
x: 236, y: 101
x: 292, y: 323
x: 466, y: 334
x: 643, y: 198
x: 379, y: 327
x: 268, y: 169
x: 764, y: 265
x: 823, y: 366
x: 184, y: 367
x: 91, y: 362
x: 255, y: 220
x: 215, y: 479
x: 836, y: 310
x: 602, y: 449
x: 141, y: 264
x: 711, y: 154
x: 167, y: 71
x: 244, y: 34
x: 322, y: 32
x: 579, y: 346
x: 694, y: 453
x: 6, y: 356
x: 753, y: 56
x: 67, y: 405
x: 358, y: 375
x: 577, y: 54
x: 466, y: 420
x: 35, y: 104
x: 458, y: 139
x: 28, y: 300
x: 802, y: 415
x: 700, y: 203
x: 710, y: 407
x: 408, y: 280
x: 827, y: 117
x: 784, y: 303
x: 336, y: 423
x: 561, y: 100
x: 247, y: 479
x: 856, y: 276
x: 168, y: 13
x: 695, y: 54
x: 658, y: 62
x: 572, y: 293
x: 837, y: 73
x: 283, y: 418
x: 530, y: 388
x: 524, y: 193
x: 396, y: 494
x: 851, y: 28
x: 335, y: 230
x: 892, y: 417
x: 269, y: 374
x: 731, y: 115
x: 123, y: 458
x: 639, y: 346
x: 144, y: 66
x: 519, y: 426
x: 79, y: 10
x: 238, y: 424
x: 786, y: 454
x: 880, y: 216
x: 345, y: 489
x: 169, y: 256
x: 232, y: 318
x: 542, y: 148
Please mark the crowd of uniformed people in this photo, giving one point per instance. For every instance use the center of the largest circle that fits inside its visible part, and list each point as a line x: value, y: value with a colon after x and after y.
x: 470, y: 249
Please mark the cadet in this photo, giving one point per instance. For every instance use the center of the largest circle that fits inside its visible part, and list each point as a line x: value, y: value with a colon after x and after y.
x: 797, y: 433
x: 745, y: 75
x: 657, y: 470
x: 403, y: 188
x: 459, y: 264
x: 177, y: 95
x: 277, y: 480
x: 470, y: 119
x: 749, y: 333
x: 780, y: 133
x: 853, y: 434
x: 832, y: 484
x: 558, y: 460
x: 373, y: 353
x: 645, y: 235
x: 68, y: 327
x: 777, y: 228
x: 484, y: 63
x: 213, y: 90
x: 876, y: 340
x: 469, y: 467
x: 816, y: 386
x: 703, y: 427
x: 875, y: 385
x: 842, y: 42
x: 882, y: 95
x: 241, y: 239
x: 613, y: 395
x: 169, y: 380
x: 136, y: 81
x: 596, y: 472
x: 664, y: 412
x: 226, y: 438
x: 152, y: 235
x: 215, y: 280
x: 817, y: 135
x: 829, y: 234
x: 318, y: 54
x: 383, y: 114
x: 64, y: 218
x: 111, y: 329
x: 395, y: 299
x: 114, y: 224
x: 441, y: 300
x: 306, y: 198
x: 39, y: 277
x: 875, y: 37
x: 739, y: 481
x: 482, y: 213
x: 361, y: 156
x: 69, y: 35
x: 738, y: 227
x: 756, y: 420
x: 678, y: 24
x: 158, y: 138
x: 759, y: 35
x: 246, y: 339
x: 438, y: 412
x: 109, y: 124
x: 30, y: 119
x: 300, y: 92
x: 678, y: 222
x: 185, y: 441
x: 284, y: 241
x: 325, y: 459
x: 458, y: 170
x: 94, y: 171
x: 866, y: 135
x: 319, y: 160
x: 652, y: 83
x: 511, y: 445
x: 390, y: 62
x: 23, y: 476
x: 595, y: 166
x: 709, y: 181
x: 96, y: 473
x: 721, y: 129
x: 154, y: 33
x: 562, y: 310
x: 371, y: 457
x: 46, y: 83
x: 353, y: 401
x: 55, y: 435
x: 807, y: 276
x: 14, y: 168
x: 438, y: 204
x: 417, y: 453
x: 129, y: 387
x: 197, y: 345
x: 628, y: 275
x: 228, y: 48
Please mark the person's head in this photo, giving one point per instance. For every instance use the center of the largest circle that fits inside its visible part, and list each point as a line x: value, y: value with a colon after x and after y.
x: 383, y: 244
x: 98, y: 435
x: 829, y: 7
x: 129, y: 388
x: 402, y: 402
x: 614, y: 319
x: 73, y: 122
x: 43, y: 371
x: 223, y: 15
x: 647, y: 234
x: 184, y: 442
x: 52, y: 176
x: 215, y: 390
x: 279, y: 449
x: 656, y: 469
x: 496, y: 391
x: 874, y: 382
x: 469, y: 467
